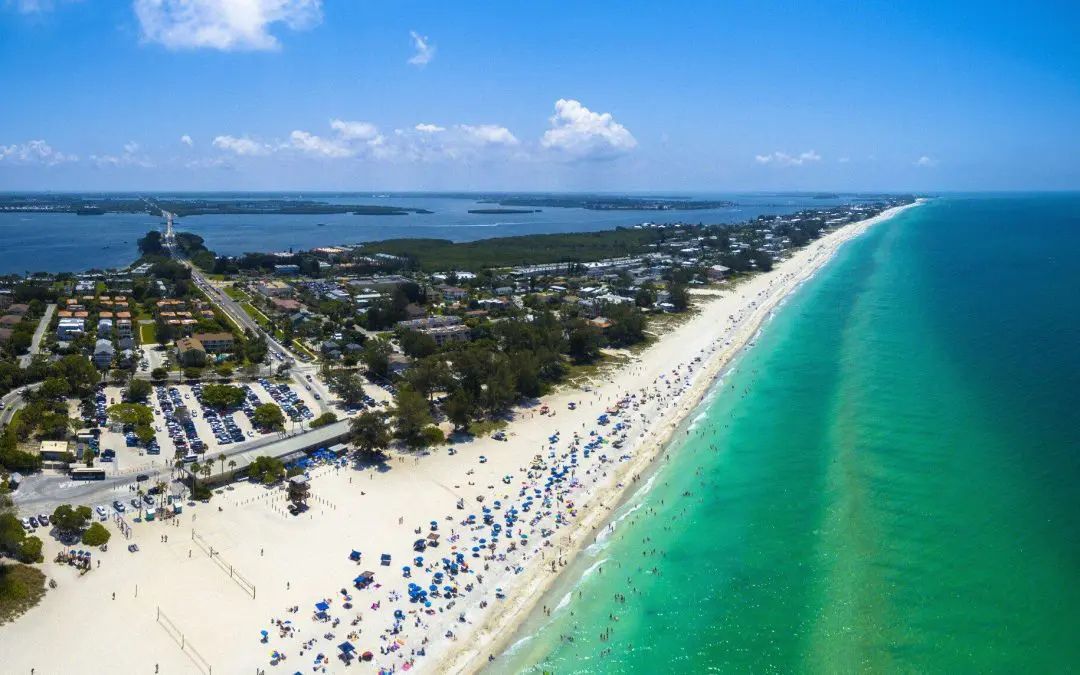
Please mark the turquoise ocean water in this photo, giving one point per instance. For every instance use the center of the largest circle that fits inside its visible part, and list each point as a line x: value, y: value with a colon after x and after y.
x: 889, y: 481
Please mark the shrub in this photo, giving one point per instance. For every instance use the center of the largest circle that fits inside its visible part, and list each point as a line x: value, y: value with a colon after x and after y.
x: 30, y: 551
x: 96, y: 535
x: 432, y: 435
x: 323, y: 419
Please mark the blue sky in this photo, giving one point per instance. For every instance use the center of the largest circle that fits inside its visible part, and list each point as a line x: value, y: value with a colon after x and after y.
x: 397, y: 95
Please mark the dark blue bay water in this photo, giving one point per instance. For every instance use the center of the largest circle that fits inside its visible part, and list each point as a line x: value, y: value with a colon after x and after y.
x: 67, y: 242
x: 887, y: 482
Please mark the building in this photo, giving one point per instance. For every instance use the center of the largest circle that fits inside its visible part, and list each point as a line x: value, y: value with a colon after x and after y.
x: 54, y: 451
x: 104, y: 353
x: 9, y: 320
x: 215, y: 343
x: 5, y: 299
x: 285, y: 304
x: 453, y: 293
x: 445, y: 334
x: 5, y: 335
x: 105, y: 328
x: 285, y: 270
x: 190, y: 352
x: 717, y: 272
x: 429, y: 322
x: 123, y: 327
x: 69, y: 328
x: 275, y: 289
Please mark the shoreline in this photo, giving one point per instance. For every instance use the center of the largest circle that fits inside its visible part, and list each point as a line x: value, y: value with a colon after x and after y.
x: 501, y: 628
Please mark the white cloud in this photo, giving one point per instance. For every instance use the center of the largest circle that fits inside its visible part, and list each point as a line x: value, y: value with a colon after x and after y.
x: 926, y: 161
x: 425, y: 51
x: 581, y: 133
x: 34, y: 152
x: 355, y: 131
x: 844, y: 160
x: 129, y: 157
x: 223, y: 24
x: 243, y: 146
x: 186, y: 140
x: 424, y: 142
x: 784, y: 159
x: 488, y: 134
x: 318, y: 146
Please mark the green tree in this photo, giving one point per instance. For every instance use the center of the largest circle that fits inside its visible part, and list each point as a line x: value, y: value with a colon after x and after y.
x: 96, y: 535
x: 267, y: 470
x: 194, y: 470
x: 432, y: 435
x: 159, y: 374
x: 411, y: 415
x: 416, y: 344
x: 583, y: 343
x: 222, y: 396
x: 12, y: 534
x: 137, y: 391
x: 368, y: 432
x: 54, y: 389
x: 30, y: 550
x: 459, y: 409
x: 680, y: 297
x: 69, y: 519
x: 269, y: 416
x: 346, y: 384
x: 428, y: 375
x: 323, y: 419
x: 376, y: 356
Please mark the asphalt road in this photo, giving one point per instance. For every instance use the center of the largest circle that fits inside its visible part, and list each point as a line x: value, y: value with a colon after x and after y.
x: 13, y: 400
x: 42, y: 493
x: 35, y: 343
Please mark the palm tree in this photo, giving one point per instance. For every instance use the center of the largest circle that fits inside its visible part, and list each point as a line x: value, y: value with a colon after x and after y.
x: 194, y: 469
x: 221, y: 458
x: 232, y: 465
x: 207, y: 469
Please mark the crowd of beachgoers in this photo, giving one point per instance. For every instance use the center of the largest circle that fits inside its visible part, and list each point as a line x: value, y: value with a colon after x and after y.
x: 428, y: 561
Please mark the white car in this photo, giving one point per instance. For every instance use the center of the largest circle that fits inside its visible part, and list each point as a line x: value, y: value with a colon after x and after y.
x: 101, y: 511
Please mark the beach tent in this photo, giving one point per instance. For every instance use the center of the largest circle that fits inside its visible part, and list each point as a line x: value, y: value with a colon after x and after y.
x: 346, y: 648
x: 355, y: 556
x: 322, y: 606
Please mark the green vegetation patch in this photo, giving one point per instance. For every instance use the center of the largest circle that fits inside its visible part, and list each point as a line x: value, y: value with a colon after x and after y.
x: 21, y: 587
x: 536, y: 249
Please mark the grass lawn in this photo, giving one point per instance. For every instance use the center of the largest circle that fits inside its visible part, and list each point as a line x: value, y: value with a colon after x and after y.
x: 21, y: 587
x: 259, y: 317
x: 481, y: 428
x: 147, y: 334
x: 235, y: 293
x: 297, y: 345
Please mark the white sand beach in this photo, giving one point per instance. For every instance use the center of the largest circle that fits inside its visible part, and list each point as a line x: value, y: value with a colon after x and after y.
x: 549, y: 488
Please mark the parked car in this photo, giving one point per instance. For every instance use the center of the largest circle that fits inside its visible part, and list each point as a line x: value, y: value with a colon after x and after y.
x: 119, y: 506
x: 33, y: 521
x: 44, y: 520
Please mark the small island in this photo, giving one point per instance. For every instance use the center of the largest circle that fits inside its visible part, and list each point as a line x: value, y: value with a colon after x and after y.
x: 501, y: 212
